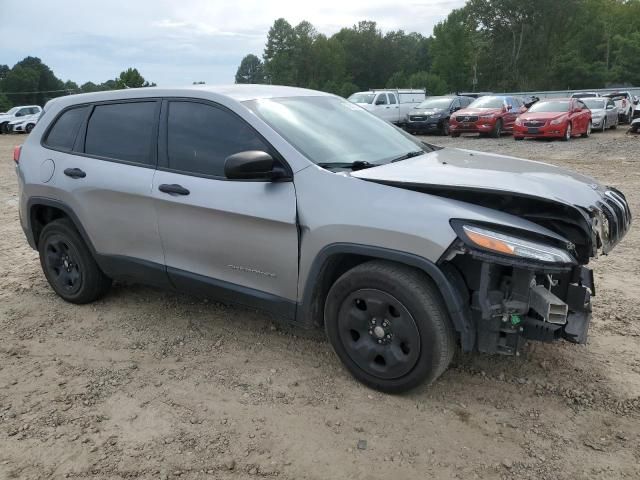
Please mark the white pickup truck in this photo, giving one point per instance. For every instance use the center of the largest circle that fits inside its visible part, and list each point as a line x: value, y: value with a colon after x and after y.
x: 16, y: 113
x: 390, y: 104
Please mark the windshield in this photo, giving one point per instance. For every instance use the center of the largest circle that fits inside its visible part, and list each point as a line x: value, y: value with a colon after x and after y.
x: 436, y: 102
x: 487, y: 102
x: 559, y: 106
x: 593, y: 103
x: 362, y: 98
x: 331, y: 130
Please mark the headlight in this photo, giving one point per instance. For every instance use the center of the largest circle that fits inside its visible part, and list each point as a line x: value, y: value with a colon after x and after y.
x: 557, y: 121
x: 436, y: 115
x: 518, y: 121
x: 487, y: 117
x: 513, y: 246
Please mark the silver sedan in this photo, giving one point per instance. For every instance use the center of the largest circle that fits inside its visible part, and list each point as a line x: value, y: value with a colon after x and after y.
x: 604, y: 113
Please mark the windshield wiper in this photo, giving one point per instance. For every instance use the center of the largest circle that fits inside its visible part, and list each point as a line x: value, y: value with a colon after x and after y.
x: 357, y: 165
x: 408, y: 155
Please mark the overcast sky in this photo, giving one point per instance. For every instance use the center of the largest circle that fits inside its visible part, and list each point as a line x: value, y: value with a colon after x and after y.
x: 176, y: 42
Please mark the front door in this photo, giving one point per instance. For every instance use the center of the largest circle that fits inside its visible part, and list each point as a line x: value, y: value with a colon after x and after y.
x: 234, y: 240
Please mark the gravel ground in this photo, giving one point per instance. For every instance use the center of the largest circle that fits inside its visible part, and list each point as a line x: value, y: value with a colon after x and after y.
x: 149, y: 384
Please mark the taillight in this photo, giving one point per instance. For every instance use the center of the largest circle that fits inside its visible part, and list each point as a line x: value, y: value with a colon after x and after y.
x: 16, y: 153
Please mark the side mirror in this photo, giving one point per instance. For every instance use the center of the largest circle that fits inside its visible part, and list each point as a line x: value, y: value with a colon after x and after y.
x: 455, y: 109
x: 19, y: 114
x: 509, y: 108
x: 252, y: 165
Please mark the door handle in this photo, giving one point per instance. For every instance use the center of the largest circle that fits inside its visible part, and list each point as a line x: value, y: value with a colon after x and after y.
x: 74, y: 173
x: 173, y: 189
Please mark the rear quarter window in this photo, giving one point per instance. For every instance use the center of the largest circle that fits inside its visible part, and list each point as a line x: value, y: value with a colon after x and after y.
x: 62, y: 134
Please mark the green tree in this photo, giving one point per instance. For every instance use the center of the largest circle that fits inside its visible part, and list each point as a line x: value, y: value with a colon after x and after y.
x: 251, y: 70
x: 279, y: 53
x: 5, y: 103
x: 430, y: 81
x: 131, y: 78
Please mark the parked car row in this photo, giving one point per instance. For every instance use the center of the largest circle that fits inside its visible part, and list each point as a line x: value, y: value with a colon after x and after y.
x: 493, y: 115
x: 20, y: 119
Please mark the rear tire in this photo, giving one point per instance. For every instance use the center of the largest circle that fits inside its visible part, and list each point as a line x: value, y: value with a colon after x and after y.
x: 455, y: 135
x: 68, y: 264
x: 587, y: 134
x: 389, y: 326
x: 518, y: 138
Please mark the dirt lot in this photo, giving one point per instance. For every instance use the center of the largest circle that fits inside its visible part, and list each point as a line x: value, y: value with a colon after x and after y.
x: 149, y: 384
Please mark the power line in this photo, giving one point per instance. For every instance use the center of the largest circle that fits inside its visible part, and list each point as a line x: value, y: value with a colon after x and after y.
x: 66, y: 90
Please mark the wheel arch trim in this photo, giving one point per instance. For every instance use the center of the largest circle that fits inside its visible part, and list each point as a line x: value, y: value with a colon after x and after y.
x: 459, y: 313
x: 68, y: 211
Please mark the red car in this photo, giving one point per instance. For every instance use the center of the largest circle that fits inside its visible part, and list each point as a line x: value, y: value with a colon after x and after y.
x: 489, y: 115
x: 554, y: 118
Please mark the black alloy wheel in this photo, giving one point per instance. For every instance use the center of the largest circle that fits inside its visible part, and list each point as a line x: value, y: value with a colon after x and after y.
x: 69, y: 265
x: 378, y: 333
x: 389, y: 326
x: 62, y: 265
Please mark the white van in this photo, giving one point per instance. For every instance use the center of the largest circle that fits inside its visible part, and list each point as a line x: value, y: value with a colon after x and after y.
x: 390, y: 104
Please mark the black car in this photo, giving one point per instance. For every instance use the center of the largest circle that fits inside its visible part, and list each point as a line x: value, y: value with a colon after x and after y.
x: 433, y: 114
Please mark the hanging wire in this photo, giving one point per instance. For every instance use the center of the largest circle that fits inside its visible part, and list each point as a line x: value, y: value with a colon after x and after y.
x: 66, y: 90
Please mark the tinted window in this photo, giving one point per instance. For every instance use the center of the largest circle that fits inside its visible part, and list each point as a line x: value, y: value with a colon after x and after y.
x: 122, y: 131
x: 392, y: 98
x: 200, y: 137
x: 63, y: 133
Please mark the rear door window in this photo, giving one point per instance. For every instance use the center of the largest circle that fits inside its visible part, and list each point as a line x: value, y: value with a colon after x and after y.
x: 392, y: 98
x: 123, y: 131
x: 200, y: 137
x: 65, y: 129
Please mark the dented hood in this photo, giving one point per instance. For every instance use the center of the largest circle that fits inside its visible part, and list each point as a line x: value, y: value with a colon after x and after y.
x: 453, y: 168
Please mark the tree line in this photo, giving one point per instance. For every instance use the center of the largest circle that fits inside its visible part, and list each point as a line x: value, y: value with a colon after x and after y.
x: 31, y: 82
x: 487, y: 45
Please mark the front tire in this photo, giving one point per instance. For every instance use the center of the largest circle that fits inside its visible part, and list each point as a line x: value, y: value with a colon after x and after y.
x: 497, y: 130
x: 445, y: 128
x: 389, y: 326
x: 567, y: 133
x: 68, y: 264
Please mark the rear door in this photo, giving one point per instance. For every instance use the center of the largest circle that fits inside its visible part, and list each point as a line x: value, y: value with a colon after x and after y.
x: 394, y: 108
x: 236, y: 239
x: 105, y: 160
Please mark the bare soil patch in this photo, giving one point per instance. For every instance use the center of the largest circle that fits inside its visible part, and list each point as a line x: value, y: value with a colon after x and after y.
x: 148, y: 384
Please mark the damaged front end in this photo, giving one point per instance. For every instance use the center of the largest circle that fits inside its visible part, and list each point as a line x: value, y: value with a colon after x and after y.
x: 521, y: 286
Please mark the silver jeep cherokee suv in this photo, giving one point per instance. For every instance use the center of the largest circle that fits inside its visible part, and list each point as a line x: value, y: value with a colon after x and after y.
x: 304, y: 205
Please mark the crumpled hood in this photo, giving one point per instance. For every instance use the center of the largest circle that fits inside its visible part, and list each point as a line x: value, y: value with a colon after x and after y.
x: 468, y: 169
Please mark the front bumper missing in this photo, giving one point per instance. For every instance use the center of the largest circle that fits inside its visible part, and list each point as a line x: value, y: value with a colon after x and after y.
x: 508, y: 312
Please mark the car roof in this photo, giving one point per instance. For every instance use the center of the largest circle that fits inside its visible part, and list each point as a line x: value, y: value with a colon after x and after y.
x: 238, y: 92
